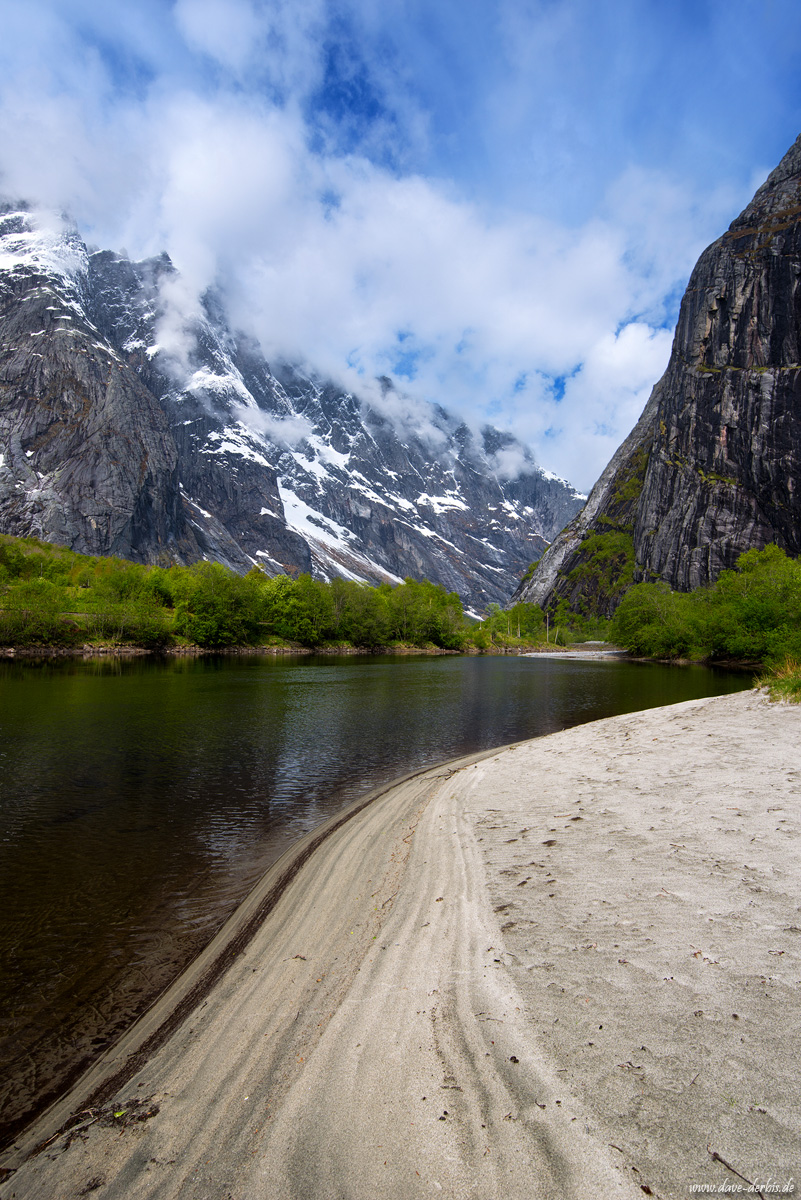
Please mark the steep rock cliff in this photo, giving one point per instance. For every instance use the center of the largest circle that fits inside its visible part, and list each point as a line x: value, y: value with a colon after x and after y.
x: 712, y: 467
x: 86, y: 454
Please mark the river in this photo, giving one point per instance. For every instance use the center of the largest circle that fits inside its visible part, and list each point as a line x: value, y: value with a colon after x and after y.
x: 141, y: 799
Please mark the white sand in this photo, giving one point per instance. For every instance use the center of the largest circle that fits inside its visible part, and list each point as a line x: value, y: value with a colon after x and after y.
x: 546, y: 948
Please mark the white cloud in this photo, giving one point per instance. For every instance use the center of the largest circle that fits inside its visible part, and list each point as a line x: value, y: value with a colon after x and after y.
x: 281, y: 431
x: 602, y: 401
x: 410, y: 415
x: 279, y: 42
x: 204, y: 146
x: 226, y: 30
x: 509, y: 462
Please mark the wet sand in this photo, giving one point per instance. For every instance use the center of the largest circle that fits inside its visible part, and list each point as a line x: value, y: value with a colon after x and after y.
x: 569, y: 968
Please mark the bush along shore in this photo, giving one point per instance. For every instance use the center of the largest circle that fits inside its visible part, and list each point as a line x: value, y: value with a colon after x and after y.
x: 53, y: 600
x: 750, y: 616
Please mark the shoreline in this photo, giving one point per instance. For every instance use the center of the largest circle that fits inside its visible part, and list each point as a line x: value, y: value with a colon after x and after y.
x: 87, y: 651
x: 588, y: 651
x: 55, y: 652
x: 115, y: 1066
x: 418, y: 952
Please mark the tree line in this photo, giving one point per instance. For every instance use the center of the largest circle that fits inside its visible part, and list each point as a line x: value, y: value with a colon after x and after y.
x: 51, y: 596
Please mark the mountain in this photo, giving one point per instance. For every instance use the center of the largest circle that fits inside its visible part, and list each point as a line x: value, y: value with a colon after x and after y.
x: 712, y: 467
x: 128, y: 427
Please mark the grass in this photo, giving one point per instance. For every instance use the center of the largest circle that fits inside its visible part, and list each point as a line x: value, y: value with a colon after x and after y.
x: 783, y: 682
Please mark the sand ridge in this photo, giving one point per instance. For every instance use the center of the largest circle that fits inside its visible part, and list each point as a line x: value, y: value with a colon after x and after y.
x: 569, y: 968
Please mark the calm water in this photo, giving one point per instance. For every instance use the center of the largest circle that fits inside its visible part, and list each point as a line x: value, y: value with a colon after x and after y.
x: 140, y: 801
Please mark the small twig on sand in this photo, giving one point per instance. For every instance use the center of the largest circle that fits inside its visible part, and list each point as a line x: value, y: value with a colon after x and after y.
x: 718, y: 1158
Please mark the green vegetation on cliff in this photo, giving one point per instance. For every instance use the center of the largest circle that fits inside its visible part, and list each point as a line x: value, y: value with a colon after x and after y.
x: 604, y: 571
x: 53, y: 597
x: 601, y: 567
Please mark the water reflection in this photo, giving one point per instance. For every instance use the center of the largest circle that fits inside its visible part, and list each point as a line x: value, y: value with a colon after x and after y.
x: 140, y: 800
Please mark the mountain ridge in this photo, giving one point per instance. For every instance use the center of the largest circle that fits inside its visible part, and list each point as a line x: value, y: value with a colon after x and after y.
x: 113, y: 441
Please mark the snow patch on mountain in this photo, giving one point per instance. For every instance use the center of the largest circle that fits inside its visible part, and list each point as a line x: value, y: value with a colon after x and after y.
x: 41, y: 242
x: 335, y: 549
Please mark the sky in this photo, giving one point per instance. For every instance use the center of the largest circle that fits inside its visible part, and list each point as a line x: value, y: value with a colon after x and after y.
x: 498, y: 203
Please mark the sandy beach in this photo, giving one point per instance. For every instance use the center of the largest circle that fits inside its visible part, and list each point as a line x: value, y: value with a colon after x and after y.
x: 568, y: 968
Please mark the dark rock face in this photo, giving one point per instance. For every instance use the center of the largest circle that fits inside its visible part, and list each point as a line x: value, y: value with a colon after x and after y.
x: 113, y: 443
x: 87, y: 455
x: 717, y: 452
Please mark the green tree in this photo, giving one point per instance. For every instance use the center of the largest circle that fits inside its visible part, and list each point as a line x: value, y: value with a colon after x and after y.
x: 32, y: 614
x: 215, y: 607
x: 751, y: 613
x: 364, y: 614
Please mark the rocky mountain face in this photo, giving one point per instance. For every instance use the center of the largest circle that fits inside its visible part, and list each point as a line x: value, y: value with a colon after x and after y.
x: 112, y: 442
x: 712, y: 468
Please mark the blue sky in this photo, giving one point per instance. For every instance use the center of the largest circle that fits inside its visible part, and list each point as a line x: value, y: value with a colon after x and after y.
x: 498, y: 202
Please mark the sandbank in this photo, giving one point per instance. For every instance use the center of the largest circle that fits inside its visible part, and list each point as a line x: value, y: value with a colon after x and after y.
x: 568, y: 968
